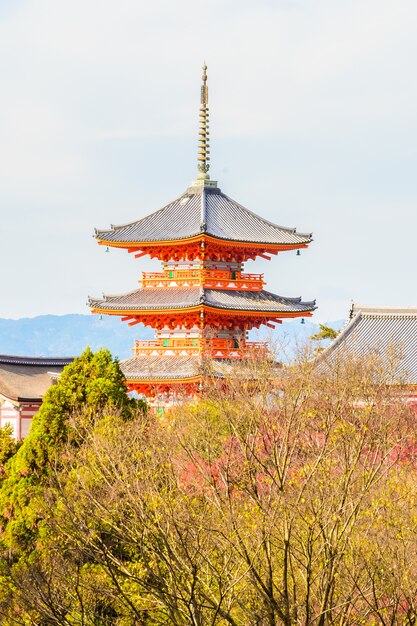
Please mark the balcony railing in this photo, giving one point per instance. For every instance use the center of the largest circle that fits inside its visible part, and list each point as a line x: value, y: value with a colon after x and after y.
x: 212, y: 279
x: 218, y: 348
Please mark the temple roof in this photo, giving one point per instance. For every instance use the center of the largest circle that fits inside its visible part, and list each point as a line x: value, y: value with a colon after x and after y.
x: 203, y: 210
x: 185, y: 297
x: 28, y: 378
x: 157, y: 368
x: 160, y: 368
x: 389, y: 333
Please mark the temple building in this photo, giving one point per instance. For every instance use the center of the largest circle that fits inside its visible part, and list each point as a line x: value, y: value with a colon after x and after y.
x: 23, y: 383
x: 203, y: 303
x: 387, y: 333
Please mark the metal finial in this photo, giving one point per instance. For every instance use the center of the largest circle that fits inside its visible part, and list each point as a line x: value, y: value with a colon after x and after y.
x: 204, y: 88
x: 203, y: 140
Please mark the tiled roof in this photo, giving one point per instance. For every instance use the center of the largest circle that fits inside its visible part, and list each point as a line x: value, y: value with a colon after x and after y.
x: 182, y: 297
x: 36, y: 360
x: 156, y: 367
x: 28, y: 378
x: 171, y: 368
x: 390, y: 333
x: 256, y: 301
x: 204, y: 210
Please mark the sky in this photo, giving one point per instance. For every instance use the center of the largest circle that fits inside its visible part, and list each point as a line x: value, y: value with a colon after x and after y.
x: 313, y: 112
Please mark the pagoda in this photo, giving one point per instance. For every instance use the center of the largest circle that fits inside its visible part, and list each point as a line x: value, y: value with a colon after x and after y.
x: 202, y: 304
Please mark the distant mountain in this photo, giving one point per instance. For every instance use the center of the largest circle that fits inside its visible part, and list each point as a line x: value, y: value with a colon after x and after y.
x: 68, y: 335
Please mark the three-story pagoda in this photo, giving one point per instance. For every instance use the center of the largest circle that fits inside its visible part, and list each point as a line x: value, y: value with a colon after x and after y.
x: 202, y: 304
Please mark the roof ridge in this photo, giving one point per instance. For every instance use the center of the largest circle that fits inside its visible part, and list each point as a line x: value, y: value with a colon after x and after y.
x: 117, y: 226
x: 203, y: 214
x: 12, y: 359
x: 292, y: 230
x: 347, y: 326
x: 106, y: 296
x: 114, y: 295
x: 203, y: 210
x: 289, y: 299
x: 384, y: 310
x: 179, y: 297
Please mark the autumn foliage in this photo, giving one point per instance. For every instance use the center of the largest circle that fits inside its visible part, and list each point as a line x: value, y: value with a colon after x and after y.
x: 284, y: 497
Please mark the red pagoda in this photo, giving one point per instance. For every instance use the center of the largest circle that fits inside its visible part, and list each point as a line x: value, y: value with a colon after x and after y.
x: 202, y: 304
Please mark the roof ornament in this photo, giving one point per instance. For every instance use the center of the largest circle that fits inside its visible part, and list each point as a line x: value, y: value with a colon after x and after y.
x: 203, y: 158
x: 203, y: 141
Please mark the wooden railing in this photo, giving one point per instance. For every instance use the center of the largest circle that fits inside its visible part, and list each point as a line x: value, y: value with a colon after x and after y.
x: 171, y: 275
x: 212, y: 279
x: 219, y: 348
x: 176, y: 342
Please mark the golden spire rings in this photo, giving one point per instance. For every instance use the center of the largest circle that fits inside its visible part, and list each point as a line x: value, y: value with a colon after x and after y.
x: 203, y: 140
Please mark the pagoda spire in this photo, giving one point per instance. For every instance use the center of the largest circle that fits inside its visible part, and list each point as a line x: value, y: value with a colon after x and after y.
x: 203, y: 141
x: 202, y: 303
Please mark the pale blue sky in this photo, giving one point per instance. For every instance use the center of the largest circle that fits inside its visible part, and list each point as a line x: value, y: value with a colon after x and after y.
x: 313, y: 123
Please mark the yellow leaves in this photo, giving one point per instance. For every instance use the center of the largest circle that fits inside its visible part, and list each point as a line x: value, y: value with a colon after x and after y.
x: 224, y: 492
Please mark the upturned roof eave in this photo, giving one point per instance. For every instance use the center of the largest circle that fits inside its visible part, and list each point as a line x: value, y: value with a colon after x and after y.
x: 189, y: 300
x: 289, y: 229
x: 201, y: 224
x: 157, y: 380
x: 209, y: 307
x: 305, y: 240
x: 114, y: 227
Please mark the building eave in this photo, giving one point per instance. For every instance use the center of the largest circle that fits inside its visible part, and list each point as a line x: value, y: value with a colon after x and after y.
x: 201, y: 210
x: 199, y: 238
x: 164, y: 381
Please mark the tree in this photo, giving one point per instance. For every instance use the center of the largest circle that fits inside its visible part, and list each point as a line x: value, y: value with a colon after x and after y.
x: 261, y: 504
x: 89, y: 386
x: 8, y: 446
x: 326, y: 332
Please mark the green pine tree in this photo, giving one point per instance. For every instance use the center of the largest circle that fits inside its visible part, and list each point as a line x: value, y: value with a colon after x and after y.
x: 90, y: 385
x: 326, y: 332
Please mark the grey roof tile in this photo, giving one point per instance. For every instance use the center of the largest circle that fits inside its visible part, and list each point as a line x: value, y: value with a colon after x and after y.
x: 182, y: 297
x: 36, y: 360
x: 255, y: 301
x: 177, y: 297
x: 154, y: 367
x: 204, y: 210
x: 390, y: 333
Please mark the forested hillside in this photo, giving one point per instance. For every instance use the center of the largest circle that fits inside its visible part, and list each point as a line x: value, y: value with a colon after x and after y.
x: 68, y: 335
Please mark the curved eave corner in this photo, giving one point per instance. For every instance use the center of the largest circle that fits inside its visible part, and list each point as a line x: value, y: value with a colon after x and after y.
x: 205, y: 307
x: 163, y: 381
x: 149, y: 243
